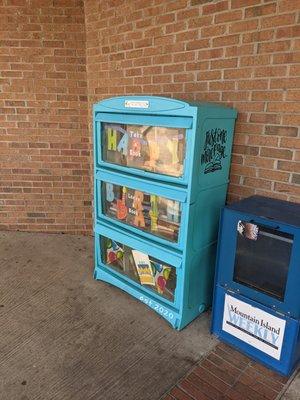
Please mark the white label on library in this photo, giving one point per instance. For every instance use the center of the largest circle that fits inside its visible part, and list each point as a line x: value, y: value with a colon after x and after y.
x: 157, y: 307
x: 254, y: 326
x: 136, y: 104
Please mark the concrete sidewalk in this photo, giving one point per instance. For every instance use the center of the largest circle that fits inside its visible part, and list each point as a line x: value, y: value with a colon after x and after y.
x: 65, y: 336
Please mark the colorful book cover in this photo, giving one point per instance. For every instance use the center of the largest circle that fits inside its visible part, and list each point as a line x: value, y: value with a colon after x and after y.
x: 143, y: 267
x: 161, y: 276
x: 114, y: 253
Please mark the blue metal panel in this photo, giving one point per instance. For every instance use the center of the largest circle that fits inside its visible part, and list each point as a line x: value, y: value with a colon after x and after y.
x: 287, y: 213
x: 290, y: 345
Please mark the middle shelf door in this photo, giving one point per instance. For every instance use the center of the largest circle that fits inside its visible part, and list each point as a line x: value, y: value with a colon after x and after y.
x: 156, y: 211
x: 146, y: 266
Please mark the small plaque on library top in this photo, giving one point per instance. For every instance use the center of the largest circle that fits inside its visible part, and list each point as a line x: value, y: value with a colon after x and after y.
x: 136, y: 104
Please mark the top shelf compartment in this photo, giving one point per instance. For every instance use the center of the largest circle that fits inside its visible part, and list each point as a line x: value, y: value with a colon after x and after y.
x: 163, y: 139
x: 151, y: 148
x: 143, y: 144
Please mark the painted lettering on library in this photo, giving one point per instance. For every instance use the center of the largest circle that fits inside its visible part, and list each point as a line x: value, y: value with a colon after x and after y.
x: 151, y: 148
x: 214, y: 150
x: 152, y: 213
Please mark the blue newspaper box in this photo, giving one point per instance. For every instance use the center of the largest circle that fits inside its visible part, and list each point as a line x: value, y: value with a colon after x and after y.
x: 161, y: 174
x: 257, y: 299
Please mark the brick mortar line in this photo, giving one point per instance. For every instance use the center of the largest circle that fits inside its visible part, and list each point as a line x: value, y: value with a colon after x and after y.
x: 287, y: 385
x: 238, y: 376
x: 236, y: 380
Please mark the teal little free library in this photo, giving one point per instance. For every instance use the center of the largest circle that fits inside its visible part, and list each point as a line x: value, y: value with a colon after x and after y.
x: 161, y: 176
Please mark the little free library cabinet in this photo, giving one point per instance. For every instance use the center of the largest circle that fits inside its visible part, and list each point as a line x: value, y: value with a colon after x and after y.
x: 257, y: 293
x: 161, y: 175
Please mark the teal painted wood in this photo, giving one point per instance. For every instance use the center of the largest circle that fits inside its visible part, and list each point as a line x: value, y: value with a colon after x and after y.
x: 195, y: 187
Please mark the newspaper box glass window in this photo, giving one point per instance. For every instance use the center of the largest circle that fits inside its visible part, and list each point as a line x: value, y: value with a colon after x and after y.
x: 262, y: 258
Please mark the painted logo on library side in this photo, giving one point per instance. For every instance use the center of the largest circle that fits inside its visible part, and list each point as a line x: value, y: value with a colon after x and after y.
x: 214, y: 150
x: 254, y: 326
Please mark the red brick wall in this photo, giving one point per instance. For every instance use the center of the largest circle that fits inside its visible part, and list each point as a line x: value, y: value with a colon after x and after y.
x: 244, y: 53
x: 44, y: 141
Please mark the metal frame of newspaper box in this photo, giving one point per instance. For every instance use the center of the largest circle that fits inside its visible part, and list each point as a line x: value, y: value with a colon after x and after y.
x: 258, y: 319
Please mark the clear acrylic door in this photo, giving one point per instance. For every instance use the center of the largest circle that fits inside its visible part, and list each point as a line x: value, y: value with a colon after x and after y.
x: 262, y: 258
x: 146, y: 270
x: 150, y: 148
x: 151, y: 213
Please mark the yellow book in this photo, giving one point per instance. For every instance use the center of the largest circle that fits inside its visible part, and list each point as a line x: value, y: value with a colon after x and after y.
x: 143, y: 267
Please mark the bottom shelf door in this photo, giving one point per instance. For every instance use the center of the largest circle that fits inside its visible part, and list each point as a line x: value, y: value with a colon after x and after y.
x: 144, y: 270
x: 149, y: 272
